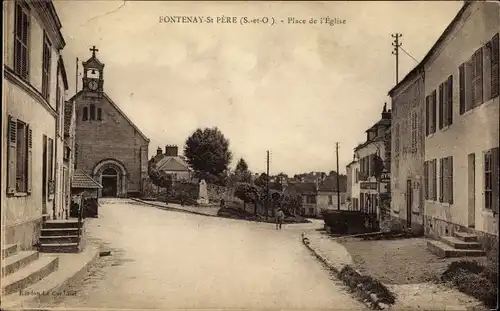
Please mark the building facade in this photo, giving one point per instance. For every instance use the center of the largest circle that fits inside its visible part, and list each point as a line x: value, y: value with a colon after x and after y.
x: 462, y: 125
x: 353, y: 189
x: 109, y: 146
x: 408, y: 147
x: 32, y: 116
x: 171, y: 163
x: 374, y: 159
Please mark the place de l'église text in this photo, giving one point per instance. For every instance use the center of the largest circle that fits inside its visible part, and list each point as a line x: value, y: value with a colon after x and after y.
x: 242, y: 20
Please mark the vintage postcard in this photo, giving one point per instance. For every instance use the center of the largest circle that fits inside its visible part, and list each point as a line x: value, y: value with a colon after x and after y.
x: 250, y: 155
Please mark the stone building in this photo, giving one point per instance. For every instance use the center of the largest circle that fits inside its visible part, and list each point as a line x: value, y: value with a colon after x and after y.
x: 461, y: 178
x: 109, y: 146
x: 353, y: 189
x: 408, y: 145
x: 373, y: 154
x: 32, y: 120
x: 172, y: 163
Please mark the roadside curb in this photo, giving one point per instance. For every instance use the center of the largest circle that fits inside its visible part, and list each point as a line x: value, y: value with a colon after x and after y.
x: 365, y: 296
x: 173, y: 209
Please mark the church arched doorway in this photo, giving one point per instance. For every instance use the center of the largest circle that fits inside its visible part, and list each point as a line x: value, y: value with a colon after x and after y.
x: 109, y: 182
x: 112, y: 175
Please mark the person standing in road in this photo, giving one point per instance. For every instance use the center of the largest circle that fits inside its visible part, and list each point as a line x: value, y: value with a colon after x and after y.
x: 279, y: 218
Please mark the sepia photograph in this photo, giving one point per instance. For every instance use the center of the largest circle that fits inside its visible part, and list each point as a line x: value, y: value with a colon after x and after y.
x: 250, y: 155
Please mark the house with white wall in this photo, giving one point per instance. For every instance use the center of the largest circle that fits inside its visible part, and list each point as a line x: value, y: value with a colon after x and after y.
x: 32, y: 116
x: 353, y: 189
x: 461, y: 172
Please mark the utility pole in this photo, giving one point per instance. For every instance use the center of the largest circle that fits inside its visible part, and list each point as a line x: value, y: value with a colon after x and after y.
x: 338, y: 178
x: 76, y: 77
x: 396, y: 44
x: 267, y: 186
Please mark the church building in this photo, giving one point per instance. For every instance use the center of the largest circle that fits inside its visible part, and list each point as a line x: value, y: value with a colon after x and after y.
x: 109, y: 146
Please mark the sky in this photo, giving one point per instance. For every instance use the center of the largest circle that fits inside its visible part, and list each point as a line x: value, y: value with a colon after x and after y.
x: 294, y: 89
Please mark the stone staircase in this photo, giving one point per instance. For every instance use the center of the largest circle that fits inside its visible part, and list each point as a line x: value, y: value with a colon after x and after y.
x: 21, y: 269
x: 462, y: 244
x: 61, y: 236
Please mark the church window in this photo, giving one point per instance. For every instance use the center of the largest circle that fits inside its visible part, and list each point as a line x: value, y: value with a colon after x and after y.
x: 99, y: 114
x: 92, y: 112
x: 85, y: 114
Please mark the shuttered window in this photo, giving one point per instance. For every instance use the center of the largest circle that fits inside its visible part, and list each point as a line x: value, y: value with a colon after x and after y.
x: 494, y: 66
x: 50, y: 165
x: 441, y: 180
x: 19, y: 165
x: 46, y: 66
x: 434, y: 179
x: 21, y: 41
x: 491, y: 179
x: 462, y: 99
x: 426, y: 179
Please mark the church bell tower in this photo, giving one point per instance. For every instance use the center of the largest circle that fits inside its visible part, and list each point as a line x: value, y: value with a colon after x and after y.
x: 93, y: 79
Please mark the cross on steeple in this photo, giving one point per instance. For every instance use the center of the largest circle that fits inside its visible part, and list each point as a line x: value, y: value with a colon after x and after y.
x: 93, y: 50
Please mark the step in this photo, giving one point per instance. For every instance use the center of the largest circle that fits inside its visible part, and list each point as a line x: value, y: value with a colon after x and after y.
x: 59, y: 231
x: 443, y: 250
x: 70, y: 223
x: 15, y: 262
x: 466, y: 237
x: 28, y: 275
x: 54, y: 239
x: 459, y: 244
x: 8, y: 250
x: 59, y: 248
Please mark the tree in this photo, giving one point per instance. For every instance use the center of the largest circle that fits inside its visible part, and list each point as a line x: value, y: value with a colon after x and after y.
x: 207, y: 152
x: 248, y: 193
x: 241, y: 172
x: 159, y: 178
x: 261, y: 181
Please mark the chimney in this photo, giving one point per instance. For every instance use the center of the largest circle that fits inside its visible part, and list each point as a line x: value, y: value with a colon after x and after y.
x: 386, y: 114
x: 171, y: 151
x: 158, y: 151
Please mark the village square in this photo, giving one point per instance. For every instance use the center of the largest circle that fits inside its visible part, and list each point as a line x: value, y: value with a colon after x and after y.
x: 224, y: 172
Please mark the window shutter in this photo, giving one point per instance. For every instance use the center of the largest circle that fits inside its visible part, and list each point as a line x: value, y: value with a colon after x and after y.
x: 426, y: 179
x: 12, y: 155
x: 427, y: 118
x: 441, y: 183
x: 441, y: 105
x: 469, y: 87
x: 478, y: 100
x: 434, y: 176
x: 29, y: 158
x: 449, y: 106
x: 461, y: 78
x: 433, y: 123
x: 450, y: 183
x: 495, y: 178
x: 495, y: 67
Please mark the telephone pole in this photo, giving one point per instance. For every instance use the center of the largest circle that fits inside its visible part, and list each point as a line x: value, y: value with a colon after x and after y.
x: 396, y: 44
x: 338, y: 184
x: 267, y: 186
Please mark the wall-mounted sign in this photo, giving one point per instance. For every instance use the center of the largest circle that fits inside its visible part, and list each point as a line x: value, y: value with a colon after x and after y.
x: 385, y: 177
x: 368, y: 185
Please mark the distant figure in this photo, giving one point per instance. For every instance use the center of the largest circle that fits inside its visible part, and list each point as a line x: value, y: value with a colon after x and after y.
x: 279, y: 218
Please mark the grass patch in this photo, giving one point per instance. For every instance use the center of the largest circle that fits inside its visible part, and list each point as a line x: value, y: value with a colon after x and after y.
x: 368, y: 283
x: 474, y: 279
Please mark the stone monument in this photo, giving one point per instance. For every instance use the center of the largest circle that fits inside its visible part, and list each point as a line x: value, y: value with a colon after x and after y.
x: 203, y: 193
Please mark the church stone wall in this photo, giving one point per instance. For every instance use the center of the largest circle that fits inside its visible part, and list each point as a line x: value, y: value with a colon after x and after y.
x: 113, y: 137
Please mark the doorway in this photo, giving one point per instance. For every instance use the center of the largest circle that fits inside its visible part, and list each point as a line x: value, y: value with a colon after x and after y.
x: 471, y: 189
x: 409, y: 201
x: 109, y: 182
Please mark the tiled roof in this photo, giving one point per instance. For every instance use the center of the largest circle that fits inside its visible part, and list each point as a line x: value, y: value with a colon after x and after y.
x: 168, y: 163
x: 330, y: 184
x: 83, y: 181
x: 301, y: 187
x: 68, y: 112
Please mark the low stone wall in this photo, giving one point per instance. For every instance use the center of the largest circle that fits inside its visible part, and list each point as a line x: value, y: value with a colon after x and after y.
x: 416, y: 228
x: 24, y: 234
x: 435, y: 228
x: 365, y: 287
x: 216, y: 193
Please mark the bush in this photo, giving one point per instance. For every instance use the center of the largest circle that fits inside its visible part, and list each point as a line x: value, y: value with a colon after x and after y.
x: 462, y: 265
x: 352, y: 278
x: 474, y: 279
